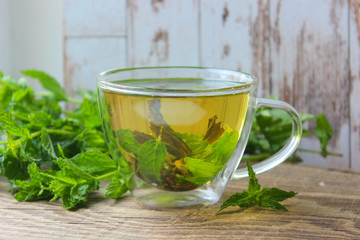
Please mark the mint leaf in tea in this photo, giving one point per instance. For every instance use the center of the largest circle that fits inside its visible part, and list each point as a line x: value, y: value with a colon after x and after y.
x: 171, y: 142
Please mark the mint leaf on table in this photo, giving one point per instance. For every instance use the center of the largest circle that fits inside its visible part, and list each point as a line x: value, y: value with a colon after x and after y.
x: 324, y: 132
x: 255, y: 196
x: 116, y: 188
x: 47, y: 82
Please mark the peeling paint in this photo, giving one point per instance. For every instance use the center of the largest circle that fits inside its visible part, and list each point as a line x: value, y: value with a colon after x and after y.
x: 225, y: 14
x: 355, y: 5
x: 259, y: 37
x: 226, y: 51
x: 155, y: 4
x: 320, y: 83
x: 132, y: 8
x: 160, y: 46
x: 275, y: 30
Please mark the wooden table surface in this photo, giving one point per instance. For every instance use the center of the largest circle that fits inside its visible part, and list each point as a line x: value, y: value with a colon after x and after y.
x: 327, y: 206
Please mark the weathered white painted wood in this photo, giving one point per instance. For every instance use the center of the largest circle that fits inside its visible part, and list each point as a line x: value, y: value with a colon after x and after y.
x: 163, y: 32
x: 86, y: 57
x: 95, y: 18
x: 234, y: 35
x: 309, y: 67
x: 298, y: 50
x: 355, y: 82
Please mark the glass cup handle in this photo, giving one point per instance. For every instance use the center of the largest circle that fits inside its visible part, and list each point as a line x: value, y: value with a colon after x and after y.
x: 289, y: 147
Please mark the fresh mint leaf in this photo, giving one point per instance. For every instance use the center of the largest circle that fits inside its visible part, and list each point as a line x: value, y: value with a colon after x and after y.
x: 8, y: 88
x: 266, y: 197
x: 23, y: 95
x: 46, y: 144
x: 40, y: 119
x: 12, y: 167
x: 92, y: 139
x: 73, y: 170
x: 271, y: 197
x: 88, y: 94
x: 72, y: 190
x: 151, y: 157
x: 95, y: 163
x: 11, y: 126
x: 125, y: 169
x: 324, y: 132
x: 116, y: 188
x: 306, y: 117
x: 88, y: 114
x: 254, y: 185
x: 48, y: 83
x: 34, y: 189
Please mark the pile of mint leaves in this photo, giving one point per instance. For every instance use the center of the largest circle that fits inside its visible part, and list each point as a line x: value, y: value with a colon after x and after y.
x: 47, y: 152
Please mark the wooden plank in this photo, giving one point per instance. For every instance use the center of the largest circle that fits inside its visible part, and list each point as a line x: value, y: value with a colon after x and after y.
x: 87, y: 57
x: 327, y: 207
x: 235, y: 35
x: 94, y: 18
x: 157, y: 38
x: 355, y: 82
x: 309, y: 67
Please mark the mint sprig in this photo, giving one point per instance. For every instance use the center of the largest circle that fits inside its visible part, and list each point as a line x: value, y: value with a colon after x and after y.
x: 257, y: 196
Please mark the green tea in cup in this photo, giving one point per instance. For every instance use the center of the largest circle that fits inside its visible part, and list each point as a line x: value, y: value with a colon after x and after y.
x: 180, y: 132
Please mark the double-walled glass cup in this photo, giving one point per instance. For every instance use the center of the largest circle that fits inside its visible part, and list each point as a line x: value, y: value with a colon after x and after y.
x: 179, y: 133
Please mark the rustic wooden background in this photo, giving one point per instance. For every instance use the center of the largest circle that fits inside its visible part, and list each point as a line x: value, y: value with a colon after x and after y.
x: 306, y: 52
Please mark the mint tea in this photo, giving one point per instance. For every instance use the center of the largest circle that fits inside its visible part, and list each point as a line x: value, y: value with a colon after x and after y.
x: 175, y: 143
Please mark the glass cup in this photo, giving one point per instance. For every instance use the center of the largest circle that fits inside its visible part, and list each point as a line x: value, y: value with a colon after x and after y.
x: 178, y: 133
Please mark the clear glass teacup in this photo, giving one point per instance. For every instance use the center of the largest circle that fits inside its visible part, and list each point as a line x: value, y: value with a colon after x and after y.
x: 179, y: 133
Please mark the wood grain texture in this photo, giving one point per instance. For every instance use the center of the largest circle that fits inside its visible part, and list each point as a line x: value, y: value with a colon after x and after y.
x: 309, y: 67
x: 163, y: 32
x: 94, y: 18
x: 86, y: 57
x: 355, y: 82
x: 327, y: 207
x: 234, y: 35
x: 306, y: 52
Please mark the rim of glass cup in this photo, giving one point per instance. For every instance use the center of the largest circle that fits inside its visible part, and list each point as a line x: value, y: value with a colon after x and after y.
x: 247, y: 82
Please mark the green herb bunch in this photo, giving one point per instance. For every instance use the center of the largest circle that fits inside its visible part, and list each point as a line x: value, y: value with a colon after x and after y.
x: 49, y: 153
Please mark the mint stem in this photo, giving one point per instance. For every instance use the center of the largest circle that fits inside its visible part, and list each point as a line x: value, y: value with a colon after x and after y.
x: 51, y: 131
x: 107, y: 175
x: 67, y: 112
x: 319, y: 152
x: 256, y: 157
x: 60, y: 132
x: 15, y: 115
x: 73, y: 100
